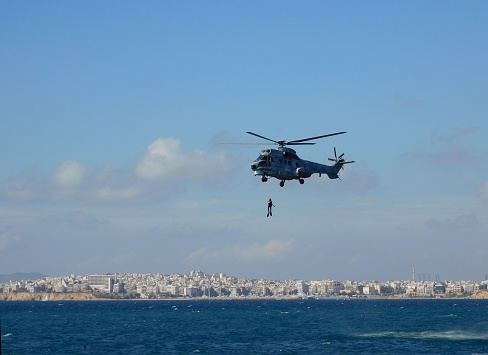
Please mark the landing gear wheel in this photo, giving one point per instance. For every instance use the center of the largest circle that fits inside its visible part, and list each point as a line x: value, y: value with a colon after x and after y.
x: 282, y: 183
x: 264, y: 179
x: 301, y: 181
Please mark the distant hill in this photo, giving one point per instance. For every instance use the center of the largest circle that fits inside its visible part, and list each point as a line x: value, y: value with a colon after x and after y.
x: 19, y: 276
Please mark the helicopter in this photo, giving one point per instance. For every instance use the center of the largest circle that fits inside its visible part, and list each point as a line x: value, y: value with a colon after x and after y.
x: 284, y: 164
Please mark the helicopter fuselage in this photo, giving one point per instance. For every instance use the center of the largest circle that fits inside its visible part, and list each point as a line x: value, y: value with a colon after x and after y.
x: 284, y: 164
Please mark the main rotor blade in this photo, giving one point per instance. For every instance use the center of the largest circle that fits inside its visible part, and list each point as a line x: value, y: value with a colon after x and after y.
x: 236, y: 143
x: 257, y: 135
x: 294, y: 143
x: 312, y: 138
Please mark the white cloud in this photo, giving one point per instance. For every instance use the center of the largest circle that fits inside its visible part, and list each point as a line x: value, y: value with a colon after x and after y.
x: 70, y: 173
x: 163, y: 157
x: 163, y: 170
x: 164, y: 160
x: 272, y: 250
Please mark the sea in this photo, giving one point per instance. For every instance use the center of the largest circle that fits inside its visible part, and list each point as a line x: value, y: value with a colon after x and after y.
x: 308, y: 326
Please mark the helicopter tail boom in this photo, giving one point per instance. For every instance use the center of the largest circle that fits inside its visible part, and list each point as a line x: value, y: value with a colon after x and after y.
x: 331, y: 171
x: 333, y: 176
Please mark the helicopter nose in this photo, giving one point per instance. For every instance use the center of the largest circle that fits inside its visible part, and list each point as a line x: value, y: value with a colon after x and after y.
x: 253, y: 167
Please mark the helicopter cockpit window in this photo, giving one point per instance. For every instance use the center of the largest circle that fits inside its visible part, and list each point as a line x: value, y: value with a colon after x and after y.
x: 262, y: 157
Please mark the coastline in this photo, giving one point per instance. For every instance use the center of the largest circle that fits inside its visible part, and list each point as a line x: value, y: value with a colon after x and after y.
x: 87, y: 296
x: 44, y: 296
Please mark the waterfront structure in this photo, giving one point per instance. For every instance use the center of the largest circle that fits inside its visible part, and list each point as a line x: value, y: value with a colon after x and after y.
x: 103, y: 283
x: 198, y: 284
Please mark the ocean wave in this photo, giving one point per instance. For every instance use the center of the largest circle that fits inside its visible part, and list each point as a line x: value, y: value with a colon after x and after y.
x: 448, y: 315
x: 7, y: 335
x: 441, y: 335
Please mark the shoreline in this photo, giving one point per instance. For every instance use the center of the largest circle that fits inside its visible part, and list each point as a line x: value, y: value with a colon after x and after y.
x: 88, y: 296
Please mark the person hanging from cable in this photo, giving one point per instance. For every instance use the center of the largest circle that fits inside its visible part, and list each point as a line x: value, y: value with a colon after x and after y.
x: 270, y: 204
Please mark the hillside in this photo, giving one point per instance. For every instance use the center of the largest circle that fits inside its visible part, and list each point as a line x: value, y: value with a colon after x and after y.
x: 19, y: 276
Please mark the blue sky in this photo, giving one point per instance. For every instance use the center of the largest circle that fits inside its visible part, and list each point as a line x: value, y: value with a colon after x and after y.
x: 112, y: 115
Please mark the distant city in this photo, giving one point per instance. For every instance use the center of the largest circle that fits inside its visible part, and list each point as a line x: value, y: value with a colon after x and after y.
x: 197, y: 284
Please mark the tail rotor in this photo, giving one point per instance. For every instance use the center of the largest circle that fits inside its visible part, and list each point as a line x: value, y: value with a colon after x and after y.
x: 340, y: 160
